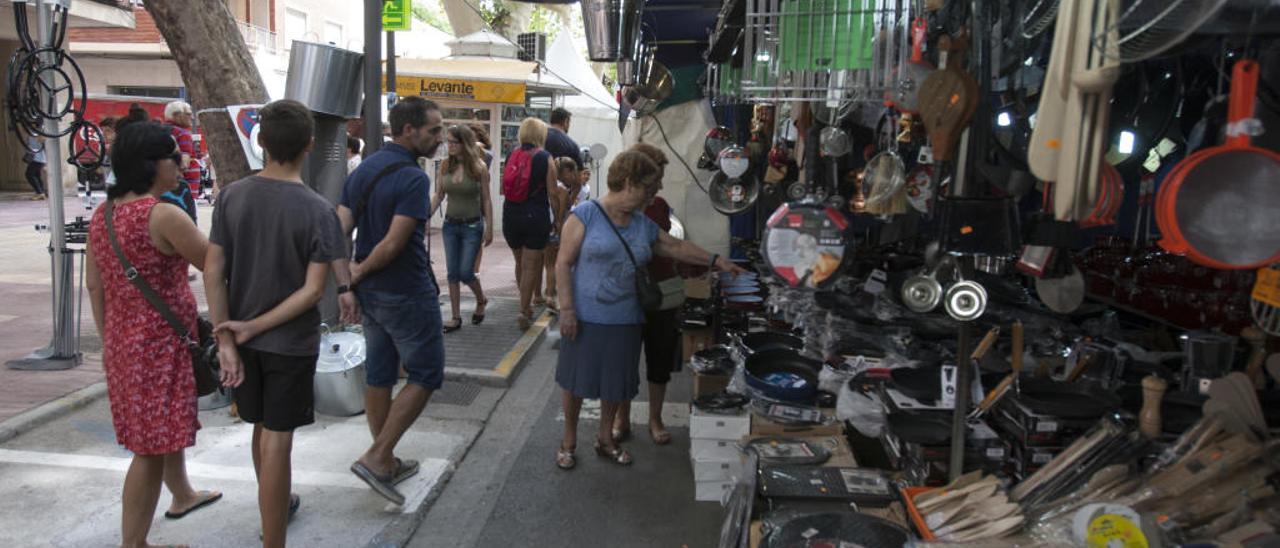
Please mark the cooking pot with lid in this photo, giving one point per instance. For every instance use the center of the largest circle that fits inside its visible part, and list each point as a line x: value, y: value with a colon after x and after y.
x: 340, y: 374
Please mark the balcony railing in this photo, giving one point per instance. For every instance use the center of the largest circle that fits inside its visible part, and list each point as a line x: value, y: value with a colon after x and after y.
x: 260, y: 39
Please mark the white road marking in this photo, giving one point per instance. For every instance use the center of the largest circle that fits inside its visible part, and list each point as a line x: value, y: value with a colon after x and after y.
x: 415, y: 488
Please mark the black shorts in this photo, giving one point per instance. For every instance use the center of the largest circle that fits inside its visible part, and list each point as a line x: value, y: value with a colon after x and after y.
x: 661, y: 346
x: 278, y: 390
x: 526, y: 225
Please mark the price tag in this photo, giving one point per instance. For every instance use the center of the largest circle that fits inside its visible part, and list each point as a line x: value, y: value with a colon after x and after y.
x: 1046, y: 426
x: 1266, y: 288
x: 995, y: 452
x: 926, y: 155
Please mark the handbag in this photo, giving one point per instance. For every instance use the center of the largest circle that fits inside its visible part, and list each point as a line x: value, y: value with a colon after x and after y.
x: 203, y: 347
x: 672, y: 293
x: 648, y: 292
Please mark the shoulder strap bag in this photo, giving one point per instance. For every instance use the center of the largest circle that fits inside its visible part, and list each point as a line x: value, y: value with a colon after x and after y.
x: 649, y: 293
x: 203, y: 347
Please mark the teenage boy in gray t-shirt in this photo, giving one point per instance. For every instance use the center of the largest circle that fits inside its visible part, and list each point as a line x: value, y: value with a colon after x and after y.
x: 270, y: 249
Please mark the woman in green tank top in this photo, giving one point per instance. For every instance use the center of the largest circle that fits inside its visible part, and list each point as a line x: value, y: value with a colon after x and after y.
x: 468, y: 219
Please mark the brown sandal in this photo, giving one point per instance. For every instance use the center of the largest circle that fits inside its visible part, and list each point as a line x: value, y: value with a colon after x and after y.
x: 565, y: 458
x: 660, y: 437
x: 614, y: 453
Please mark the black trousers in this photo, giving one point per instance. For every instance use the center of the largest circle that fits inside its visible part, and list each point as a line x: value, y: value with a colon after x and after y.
x: 661, y: 346
x: 35, y: 177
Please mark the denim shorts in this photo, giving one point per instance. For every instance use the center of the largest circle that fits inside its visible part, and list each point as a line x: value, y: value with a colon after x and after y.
x: 462, y: 242
x: 402, y: 329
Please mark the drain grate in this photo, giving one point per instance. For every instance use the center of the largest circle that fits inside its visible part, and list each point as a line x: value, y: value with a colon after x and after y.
x: 456, y: 393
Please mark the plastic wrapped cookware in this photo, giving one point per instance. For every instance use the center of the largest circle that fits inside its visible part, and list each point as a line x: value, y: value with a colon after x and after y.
x: 804, y: 244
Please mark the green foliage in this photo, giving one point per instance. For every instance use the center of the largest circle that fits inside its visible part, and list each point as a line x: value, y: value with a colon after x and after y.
x: 432, y: 13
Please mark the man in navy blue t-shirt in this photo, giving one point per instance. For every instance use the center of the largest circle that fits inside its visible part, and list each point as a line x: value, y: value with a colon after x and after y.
x: 387, y: 199
x: 559, y: 144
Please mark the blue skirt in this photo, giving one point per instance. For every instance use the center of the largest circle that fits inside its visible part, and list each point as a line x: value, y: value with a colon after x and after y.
x: 602, y: 362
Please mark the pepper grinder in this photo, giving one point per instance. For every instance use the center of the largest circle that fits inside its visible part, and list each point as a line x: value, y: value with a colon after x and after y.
x: 1149, y: 419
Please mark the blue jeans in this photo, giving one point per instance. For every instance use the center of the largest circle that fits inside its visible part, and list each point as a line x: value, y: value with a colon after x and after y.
x: 402, y: 329
x: 461, y: 244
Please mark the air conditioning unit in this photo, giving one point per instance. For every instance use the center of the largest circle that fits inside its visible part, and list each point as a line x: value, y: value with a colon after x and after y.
x: 533, y: 46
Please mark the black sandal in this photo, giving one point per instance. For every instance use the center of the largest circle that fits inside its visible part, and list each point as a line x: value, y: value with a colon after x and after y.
x: 476, y: 317
x: 455, y: 325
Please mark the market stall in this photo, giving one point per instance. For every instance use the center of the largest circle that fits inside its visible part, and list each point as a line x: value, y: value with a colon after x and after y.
x: 1014, y: 272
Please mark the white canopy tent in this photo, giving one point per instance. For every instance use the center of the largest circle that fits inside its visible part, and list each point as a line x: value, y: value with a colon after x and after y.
x: 595, y: 116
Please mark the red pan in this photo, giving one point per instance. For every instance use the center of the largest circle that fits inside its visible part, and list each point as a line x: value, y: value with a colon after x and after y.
x: 1218, y: 205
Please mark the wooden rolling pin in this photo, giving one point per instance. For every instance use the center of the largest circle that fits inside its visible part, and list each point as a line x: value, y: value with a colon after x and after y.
x: 1149, y: 419
x: 1258, y: 341
x: 1016, y: 363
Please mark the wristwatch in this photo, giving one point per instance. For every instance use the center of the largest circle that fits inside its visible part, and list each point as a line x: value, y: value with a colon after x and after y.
x: 344, y: 288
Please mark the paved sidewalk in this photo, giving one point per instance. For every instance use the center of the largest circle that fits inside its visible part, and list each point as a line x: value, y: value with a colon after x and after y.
x: 25, y: 322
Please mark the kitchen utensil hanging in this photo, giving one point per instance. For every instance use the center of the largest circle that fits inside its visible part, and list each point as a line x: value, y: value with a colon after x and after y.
x: 1264, y: 302
x: 1150, y: 27
x: 732, y: 195
x: 804, y: 244
x: 1218, y: 205
x: 819, y: 50
x: 948, y: 98
x: 1038, y: 18
x: 718, y: 138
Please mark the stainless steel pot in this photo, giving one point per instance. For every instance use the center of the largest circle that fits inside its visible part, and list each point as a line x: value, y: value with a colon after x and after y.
x: 340, y: 374
x: 611, y: 27
x: 325, y: 78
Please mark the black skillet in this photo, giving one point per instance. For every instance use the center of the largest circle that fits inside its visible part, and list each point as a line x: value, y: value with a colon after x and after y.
x: 771, y: 340
x: 924, y: 428
x: 761, y: 364
x: 1077, y: 400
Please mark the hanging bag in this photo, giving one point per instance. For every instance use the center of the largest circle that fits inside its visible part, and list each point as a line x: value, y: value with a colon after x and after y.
x: 517, y: 173
x: 203, y: 347
x: 648, y: 292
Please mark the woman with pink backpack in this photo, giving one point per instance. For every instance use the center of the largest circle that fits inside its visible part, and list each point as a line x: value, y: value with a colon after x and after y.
x: 528, y: 178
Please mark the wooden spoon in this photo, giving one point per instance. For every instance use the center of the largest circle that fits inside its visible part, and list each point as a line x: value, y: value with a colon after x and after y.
x: 962, y: 481
x: 987, y: 484
x: 1258, y: 341
x: 994, y: 529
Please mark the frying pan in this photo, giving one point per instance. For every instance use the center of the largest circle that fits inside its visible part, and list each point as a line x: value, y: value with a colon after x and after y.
x: 835, y: 529
x: 778, y: 360
x: 804, y: 244
x: 1066, y: 400
x: 922, y: 428
x: 732, y: 195
x: 770, y: 340
x: 920, y: 383
x: 1219, y: 204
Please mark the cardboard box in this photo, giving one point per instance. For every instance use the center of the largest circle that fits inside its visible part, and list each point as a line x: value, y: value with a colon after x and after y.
x: 693, y: 340
x: 711, y: 426
x: 841, y: 453
x: 711, y: 491
x: 761, y: 426
x: 709, y: 384
x: 709, y: 469
x: 714, y: 449
x: 697, y: 288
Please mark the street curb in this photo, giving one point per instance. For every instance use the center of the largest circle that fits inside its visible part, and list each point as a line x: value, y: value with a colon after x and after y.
x: 502, y: 375
x: 49, y: 411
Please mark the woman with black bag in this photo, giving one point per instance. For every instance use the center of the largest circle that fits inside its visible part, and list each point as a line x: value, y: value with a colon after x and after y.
x: 148, y: 365
x: 604, y: 292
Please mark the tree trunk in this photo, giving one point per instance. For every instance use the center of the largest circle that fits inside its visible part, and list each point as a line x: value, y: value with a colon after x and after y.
x: 217, y: 69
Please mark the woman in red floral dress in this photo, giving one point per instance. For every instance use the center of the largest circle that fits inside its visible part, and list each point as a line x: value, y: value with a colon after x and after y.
x: 149, y: 378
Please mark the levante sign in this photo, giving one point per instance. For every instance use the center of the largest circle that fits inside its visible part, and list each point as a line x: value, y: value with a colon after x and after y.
x: 465, y: 90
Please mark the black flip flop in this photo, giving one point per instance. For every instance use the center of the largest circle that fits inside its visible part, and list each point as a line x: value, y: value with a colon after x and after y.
x: 381, y: 484
x: 194, y: 507
x: 455, y: 325
x: 404, y: 470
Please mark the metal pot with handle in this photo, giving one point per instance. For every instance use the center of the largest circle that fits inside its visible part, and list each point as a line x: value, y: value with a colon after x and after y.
x: 340, y: 374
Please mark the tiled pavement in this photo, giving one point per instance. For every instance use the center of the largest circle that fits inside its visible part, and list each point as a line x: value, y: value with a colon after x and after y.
x: 25, y: 308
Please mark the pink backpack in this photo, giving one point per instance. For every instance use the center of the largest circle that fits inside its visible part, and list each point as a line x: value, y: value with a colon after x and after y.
x: 516, y: 174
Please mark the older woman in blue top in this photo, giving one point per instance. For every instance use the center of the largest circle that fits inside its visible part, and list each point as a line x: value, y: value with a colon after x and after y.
x: 601, y: 317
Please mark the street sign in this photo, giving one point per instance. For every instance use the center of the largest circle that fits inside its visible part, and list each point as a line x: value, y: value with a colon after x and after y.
x: 396, y: 14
